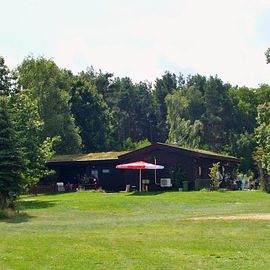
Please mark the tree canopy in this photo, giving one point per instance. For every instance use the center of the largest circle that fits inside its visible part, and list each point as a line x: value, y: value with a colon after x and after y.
x: 50, y: 87
x: 46, y: 109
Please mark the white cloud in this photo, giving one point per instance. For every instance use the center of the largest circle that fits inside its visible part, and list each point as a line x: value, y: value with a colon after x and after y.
x: 143, y: 40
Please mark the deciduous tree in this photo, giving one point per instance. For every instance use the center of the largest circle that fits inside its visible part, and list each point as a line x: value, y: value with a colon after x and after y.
x: 262, y: 153
x: 29, y: 127
x: 49, y: 86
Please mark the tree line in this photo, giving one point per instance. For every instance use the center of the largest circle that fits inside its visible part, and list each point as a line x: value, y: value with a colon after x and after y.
x: 48, y: 110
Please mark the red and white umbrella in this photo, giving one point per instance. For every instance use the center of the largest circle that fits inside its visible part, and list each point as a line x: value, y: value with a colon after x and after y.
x: 140, y: 165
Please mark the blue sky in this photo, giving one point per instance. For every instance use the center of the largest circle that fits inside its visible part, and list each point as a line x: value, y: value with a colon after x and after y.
x: 142, y: 39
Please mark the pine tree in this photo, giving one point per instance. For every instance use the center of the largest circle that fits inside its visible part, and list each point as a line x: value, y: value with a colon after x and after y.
x: 8, y: 82
x: 11, y: 162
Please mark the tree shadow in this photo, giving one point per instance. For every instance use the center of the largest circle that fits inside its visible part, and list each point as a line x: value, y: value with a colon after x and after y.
x: 17, y: 218
x: 36, y: 204
x: 151, y: 193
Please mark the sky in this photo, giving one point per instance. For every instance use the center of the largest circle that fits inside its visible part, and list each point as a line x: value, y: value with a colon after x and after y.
x: 144, y: 38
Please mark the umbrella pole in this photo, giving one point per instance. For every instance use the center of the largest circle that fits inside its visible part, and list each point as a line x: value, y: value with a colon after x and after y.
x: 155, y: 171
x: 140, y: 181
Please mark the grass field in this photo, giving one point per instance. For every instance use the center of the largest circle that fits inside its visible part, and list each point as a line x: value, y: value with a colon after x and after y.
x: 173, y: 230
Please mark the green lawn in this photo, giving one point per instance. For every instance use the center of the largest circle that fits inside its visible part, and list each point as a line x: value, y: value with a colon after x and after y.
x: 173, y: 230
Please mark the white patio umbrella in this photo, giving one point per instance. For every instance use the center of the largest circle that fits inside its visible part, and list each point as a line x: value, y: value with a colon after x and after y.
x: 140, y: 165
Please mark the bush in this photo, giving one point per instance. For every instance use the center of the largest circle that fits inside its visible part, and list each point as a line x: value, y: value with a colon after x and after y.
x: 214, y: 171
x: 3, y: 214
x: 178, y: 176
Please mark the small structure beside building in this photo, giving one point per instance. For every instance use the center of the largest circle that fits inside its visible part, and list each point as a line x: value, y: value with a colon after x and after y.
x: 180, y: 165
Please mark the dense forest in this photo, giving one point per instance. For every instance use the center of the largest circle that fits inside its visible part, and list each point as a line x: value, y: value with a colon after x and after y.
x: 47, y: 110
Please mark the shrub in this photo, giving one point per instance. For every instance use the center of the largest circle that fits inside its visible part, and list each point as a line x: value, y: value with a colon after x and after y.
x: 214, y: 175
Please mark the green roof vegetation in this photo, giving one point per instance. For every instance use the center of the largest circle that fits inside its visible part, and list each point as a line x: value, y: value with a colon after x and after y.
x: 88, y: 157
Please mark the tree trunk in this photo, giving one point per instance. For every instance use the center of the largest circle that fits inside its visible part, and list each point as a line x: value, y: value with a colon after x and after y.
x: 263, y: 177
x: 3, y: 201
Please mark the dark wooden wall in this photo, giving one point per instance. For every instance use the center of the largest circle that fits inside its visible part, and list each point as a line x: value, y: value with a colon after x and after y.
x: 187, y: 161
x: 167, y: 159
x: 73, y: 172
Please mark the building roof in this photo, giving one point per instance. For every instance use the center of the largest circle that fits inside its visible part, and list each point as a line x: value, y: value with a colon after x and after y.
x: 200, y: 151
x: 87, y: 157
x: 190, y: 151
x: 106, y: 156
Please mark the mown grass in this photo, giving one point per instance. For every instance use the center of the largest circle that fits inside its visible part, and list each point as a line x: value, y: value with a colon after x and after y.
x: 88, y: 230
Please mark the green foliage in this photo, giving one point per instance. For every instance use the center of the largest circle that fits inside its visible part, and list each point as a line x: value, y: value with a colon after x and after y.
x: 11, y: 159
x: 131, y: 111
x: 162, y: 88
x: 141, y: 144
x: 217, y: 118
x: 184, y: 109
x: 187, y: 103
x: 202, y: 114
x: 3, y: 214
x: 131, y: 107
x: 242, y: 141
x: 245, y: 108
x: 262, y: 94
x: 267, y: 55
x: 50, y: 87
x: 4, y: 78
x: 185, y: 133
x: 92, y: 116
x: 128, y: 144
x: 8, y: 83
x: 95, y: 111
x: 29, y: 128
x: 242, y: 146
x: 208, y: 114
x: 134, y: 111
x: 262, y: 134
x: 178, y: 175
x: 214, y: 172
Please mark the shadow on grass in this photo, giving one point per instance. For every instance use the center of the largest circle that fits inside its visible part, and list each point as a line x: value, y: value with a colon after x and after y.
x: 17, y: 218
x: 152, y: 193
x: 36, y: 204
x: 10, y: 216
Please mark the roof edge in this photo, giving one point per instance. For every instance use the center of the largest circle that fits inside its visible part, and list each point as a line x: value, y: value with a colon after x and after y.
x: 199, y: 152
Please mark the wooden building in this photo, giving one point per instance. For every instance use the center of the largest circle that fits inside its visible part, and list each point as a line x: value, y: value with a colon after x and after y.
x: 74, y: 169
x: 194, y: 166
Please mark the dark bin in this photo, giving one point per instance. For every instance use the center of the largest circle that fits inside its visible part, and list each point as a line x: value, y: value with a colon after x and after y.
x: 185, y: 185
